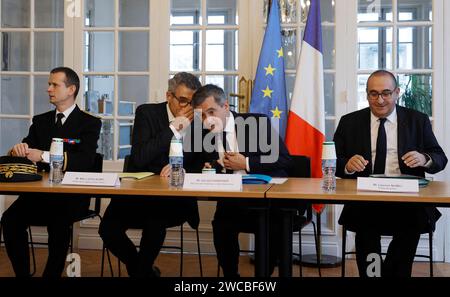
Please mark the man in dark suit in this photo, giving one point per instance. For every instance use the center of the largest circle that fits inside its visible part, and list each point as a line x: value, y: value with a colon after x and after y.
x: 54, y: 211
x: 387, y: 139
x: 238, y: 147
x: 154, y: 127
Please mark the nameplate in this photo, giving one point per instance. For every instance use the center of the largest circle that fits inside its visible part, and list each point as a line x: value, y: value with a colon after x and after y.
x: 213, y: 182
x: 388, y: 184
x: 91, y: 179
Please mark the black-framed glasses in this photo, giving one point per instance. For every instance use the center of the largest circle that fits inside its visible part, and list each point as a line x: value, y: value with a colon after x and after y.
x: 182, y: 101
x: 385, y: 94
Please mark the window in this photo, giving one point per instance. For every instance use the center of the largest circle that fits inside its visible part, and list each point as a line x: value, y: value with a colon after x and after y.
x: 397, y: 36
x: 31, y: 45
x: 116, y: 71
x: 205, y: 41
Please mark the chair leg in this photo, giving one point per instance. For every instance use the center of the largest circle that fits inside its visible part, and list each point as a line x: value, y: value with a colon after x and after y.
x: 344, y: 245
x: 33, y: 257
x: 118, y: 266
x: 102, y: 267
x: 181, y: 250
x: 199, y: 253
x: 430, y: 245
x: 317, y: 249
x: 71, y: 238
x: 300, y: 252
x: 110, y: 263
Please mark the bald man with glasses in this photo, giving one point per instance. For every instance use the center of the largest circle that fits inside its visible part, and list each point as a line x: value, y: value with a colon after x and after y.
x: 386, y: 138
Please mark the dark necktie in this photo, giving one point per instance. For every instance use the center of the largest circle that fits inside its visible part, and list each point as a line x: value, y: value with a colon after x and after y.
x: 226, y: 148
x: 226, y: 145
x: 59, y: 117
x: 380, y: 155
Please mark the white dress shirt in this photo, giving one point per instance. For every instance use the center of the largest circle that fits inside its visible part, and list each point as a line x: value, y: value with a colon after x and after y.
x: 46, y: 154
x: 392, y: 165
x: 230, y: 134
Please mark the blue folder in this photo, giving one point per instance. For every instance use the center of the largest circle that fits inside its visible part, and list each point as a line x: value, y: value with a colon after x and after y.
x: 250, y: 179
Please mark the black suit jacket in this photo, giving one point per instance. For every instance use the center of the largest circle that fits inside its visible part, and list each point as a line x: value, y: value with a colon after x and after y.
x: 77, y: 157
x: 414, y: 134
x: 79, y: 125
x: 249, y: 146
x: 150, y: 150
x: 151, y: 138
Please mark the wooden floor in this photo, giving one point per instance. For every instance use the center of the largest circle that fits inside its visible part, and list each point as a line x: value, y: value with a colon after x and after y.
x: 169, y: 266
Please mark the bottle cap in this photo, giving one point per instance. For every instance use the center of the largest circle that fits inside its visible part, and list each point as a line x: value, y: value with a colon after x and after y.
x: 57, y: 146
x: 209, y: 171
x: 328, y: 151
x: 176, y: 148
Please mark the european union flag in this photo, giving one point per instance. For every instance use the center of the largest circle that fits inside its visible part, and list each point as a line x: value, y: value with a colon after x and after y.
x: 269, y: 91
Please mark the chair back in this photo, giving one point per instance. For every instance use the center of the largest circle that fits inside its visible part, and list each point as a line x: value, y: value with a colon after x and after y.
x: 301, y: 167
x: 126, y: 163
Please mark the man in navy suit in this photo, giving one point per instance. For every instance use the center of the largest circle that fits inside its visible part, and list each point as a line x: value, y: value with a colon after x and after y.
x: 387, y: 139
x: 239, y: 147
x: 54, y: 211
x: 155, y: 126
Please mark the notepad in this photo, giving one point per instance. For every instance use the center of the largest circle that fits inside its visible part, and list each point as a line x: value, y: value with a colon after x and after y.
x: 423, y: 181
x: 135, y: 175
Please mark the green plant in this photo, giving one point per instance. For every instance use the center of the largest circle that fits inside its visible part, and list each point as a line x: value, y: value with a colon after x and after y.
x: 418, y: 94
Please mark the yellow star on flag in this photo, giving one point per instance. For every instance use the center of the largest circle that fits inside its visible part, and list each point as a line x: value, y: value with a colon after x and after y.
x: 280, y: 53
x: 276, y: 113
x: 267, y: 92
x: 269, y: 69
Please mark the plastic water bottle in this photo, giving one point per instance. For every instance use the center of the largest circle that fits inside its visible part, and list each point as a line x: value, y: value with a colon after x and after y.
x: 176, y: 163
x: 328, y: 167
x: 56, y: 161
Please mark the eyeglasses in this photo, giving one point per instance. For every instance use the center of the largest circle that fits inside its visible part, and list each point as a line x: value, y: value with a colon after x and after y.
x: 182, y: 101
x: 385, y: 94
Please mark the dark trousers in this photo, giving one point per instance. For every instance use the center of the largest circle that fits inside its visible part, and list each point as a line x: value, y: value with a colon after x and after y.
x: 153, y: 217
x: 55, y: 212
x: 400, y: 255
x: 231, y: 219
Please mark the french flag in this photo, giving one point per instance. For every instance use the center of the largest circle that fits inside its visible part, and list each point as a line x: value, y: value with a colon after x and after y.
x: 305, y: 131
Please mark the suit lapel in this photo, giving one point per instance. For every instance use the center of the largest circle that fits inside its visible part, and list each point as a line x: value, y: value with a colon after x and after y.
x: 366, y: 138
x: 52, y: 128
x: 72, y: 121
x: 243, y: 147
x: 401, y: 135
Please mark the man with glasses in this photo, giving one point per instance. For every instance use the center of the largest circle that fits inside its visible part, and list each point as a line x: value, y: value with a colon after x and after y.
x: 387, y: 139
x: 154, y: 127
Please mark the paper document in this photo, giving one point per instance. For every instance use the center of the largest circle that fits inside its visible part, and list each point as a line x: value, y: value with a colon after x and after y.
x: 135, y: 175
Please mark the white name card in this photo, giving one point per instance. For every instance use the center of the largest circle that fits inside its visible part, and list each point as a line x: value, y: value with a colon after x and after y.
x: 212, y: 182
x: 388, y: 184
x: 91, y: 179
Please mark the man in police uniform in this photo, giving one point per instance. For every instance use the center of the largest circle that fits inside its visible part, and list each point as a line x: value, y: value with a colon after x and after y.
x: 81, y: 132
